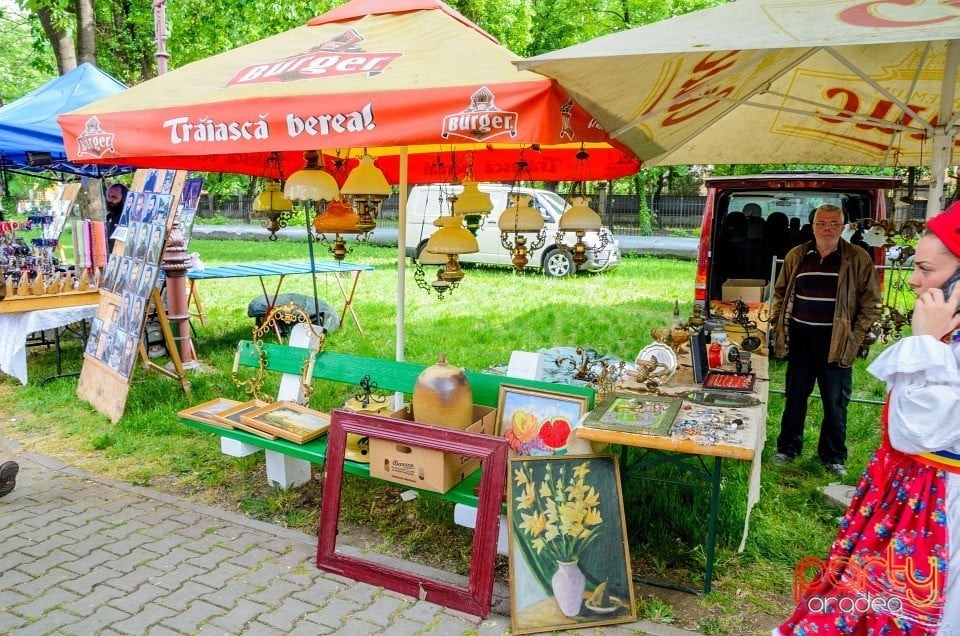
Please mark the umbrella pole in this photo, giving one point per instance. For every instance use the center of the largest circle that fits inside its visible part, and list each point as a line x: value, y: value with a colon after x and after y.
x: 945, y: 131
x: 313, y: 262
x: 401, y: 251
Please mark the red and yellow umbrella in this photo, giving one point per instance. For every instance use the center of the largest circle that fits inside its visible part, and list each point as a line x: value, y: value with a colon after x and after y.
x: 374, y: 74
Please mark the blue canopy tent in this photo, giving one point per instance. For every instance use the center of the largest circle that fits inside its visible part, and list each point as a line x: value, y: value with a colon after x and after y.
x: 31, y: 141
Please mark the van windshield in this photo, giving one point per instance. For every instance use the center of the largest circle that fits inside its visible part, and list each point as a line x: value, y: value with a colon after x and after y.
x: 794, y: 205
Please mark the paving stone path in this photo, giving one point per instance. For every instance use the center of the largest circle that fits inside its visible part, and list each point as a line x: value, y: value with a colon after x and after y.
x: 83, y: 555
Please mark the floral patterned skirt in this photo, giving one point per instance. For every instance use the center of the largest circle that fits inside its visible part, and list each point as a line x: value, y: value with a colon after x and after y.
x: 887, y: 569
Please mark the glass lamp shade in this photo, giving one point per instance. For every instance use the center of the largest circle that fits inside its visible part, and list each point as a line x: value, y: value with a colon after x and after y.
x: 519, y: 216
x: 452, y: 237
x: 472, y: 201
x: 580, y: 218
x: 272, y: 200
x: 366, y: 181
x: 338, y: 219
x: 311, y: 183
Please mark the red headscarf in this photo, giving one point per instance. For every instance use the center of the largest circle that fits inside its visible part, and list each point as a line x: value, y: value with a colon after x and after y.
x: 946, y: 226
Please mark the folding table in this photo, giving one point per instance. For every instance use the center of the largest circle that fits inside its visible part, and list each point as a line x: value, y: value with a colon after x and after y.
x: 281, y: 269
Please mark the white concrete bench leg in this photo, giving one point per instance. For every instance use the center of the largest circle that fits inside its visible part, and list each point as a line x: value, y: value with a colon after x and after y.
x: 236, y: 448
x: 286, y: 471
x: 466, y: 516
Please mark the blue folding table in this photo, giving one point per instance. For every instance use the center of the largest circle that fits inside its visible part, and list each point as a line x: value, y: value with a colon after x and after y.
x: 281, y: 269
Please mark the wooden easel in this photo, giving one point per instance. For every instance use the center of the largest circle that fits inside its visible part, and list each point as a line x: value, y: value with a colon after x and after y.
x: 169, y: 341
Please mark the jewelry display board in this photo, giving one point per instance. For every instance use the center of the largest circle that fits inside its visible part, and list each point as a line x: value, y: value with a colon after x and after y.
x: 128, y: 289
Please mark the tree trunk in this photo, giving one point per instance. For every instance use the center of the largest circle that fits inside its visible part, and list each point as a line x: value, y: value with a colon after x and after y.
x: 60, y: 40
x: 86, y: 31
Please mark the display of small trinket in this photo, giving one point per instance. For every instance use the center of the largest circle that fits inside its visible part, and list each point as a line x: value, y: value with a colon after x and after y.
x: 710, y: 426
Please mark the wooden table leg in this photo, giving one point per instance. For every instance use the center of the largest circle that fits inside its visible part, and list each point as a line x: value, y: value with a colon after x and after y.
x: 194, y: 296
x: 348, y: 300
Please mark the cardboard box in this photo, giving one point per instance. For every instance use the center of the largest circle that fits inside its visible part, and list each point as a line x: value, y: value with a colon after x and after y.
x: 427, y: 468
x: 749, y: 290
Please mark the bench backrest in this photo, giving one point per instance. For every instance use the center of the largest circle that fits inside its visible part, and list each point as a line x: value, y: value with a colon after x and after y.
x: 389, y: 375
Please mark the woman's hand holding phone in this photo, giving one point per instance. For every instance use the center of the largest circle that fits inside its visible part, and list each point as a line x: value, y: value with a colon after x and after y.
x: 935, y: 312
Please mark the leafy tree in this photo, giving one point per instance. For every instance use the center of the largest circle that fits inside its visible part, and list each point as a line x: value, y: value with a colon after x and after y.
x: 18, y: 73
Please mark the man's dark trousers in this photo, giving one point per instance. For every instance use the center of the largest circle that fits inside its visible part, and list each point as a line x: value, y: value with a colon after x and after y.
x: 806, y: 364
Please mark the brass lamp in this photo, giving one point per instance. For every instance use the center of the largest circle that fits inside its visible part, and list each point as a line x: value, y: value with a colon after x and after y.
x: 580, y: 219
x: 366, y: 187
x: 276, y: 208
x: 517, y: 219
x: 312, y: 182
x: 452, y: 239
x: 439, y: 285
x: 473, y: 205
x: 339, y: 218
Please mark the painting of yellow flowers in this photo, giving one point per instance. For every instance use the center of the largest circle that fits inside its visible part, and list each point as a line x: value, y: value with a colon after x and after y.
x: 569, y: 559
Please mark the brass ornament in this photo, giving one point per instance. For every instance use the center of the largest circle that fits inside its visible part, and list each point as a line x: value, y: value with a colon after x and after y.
x: 288, y: 314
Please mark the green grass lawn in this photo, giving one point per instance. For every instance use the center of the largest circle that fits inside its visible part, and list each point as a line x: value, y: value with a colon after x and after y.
x: 492, y: 313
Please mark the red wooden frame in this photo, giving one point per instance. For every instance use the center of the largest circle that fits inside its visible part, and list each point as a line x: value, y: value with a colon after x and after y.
x: 476, y: 598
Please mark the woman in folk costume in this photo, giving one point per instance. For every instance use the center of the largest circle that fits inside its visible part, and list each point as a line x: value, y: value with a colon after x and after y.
x: 894, y: 567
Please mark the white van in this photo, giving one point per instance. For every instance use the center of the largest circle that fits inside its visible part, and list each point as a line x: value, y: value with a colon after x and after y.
x: 427, y: 202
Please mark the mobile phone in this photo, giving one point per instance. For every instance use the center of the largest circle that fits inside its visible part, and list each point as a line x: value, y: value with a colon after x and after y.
x: 949, y: 284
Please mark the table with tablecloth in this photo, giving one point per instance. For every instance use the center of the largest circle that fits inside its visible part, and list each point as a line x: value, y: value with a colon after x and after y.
x: 16, y: 326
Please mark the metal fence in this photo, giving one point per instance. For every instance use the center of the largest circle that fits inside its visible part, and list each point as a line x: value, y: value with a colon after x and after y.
x: 621, y: 213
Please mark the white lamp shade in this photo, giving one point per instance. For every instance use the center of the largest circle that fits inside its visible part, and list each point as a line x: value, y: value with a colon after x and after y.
x: 452, y: 237
x: 580, y: 218
x: 311, y: 183
x: 472, y: 200
x: 366, y: 180
x: 519, y: 216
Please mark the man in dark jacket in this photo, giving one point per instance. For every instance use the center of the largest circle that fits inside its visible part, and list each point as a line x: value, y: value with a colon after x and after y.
x: 825, y: 300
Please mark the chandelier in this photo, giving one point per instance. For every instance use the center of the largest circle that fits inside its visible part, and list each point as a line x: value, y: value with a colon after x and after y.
x: 271, y: 204
x: 579, y: 217
x: 520, y: 219
x: 445, y: 245
x: 276, y: 209
x: 338, y: 219
x: 473, y: 205
x: 366, y: 187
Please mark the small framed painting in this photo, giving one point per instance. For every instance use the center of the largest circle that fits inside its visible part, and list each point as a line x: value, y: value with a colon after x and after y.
x: 631, y: 413
x: 288, y: 420
x: 537, y: 422
x: 209, y: 412
x: 233, y: 414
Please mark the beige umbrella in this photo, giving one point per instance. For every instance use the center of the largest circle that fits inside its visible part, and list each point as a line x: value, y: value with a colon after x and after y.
x: 845, y: 82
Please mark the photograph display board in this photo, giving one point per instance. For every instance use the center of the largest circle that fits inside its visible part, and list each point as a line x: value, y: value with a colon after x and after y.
x: 187, y: 210
x: 130, y: 278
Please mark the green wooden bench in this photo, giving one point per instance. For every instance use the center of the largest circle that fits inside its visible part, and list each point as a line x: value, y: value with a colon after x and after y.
x: 288, y: 463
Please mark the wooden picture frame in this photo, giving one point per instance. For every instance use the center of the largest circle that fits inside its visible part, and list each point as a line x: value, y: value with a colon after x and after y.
x: 232, y: 417
x: 633, y: 413
x: 288, y: 420
x: 209, y: 412
x: 538, y: 422
x: 474, y: 599
x: 563, y: 582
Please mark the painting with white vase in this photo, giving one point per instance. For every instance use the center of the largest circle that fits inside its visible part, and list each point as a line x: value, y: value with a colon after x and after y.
x: 569, y: 558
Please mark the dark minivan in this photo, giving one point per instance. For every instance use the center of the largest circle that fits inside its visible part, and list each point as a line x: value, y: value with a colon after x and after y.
x: 751, y: 221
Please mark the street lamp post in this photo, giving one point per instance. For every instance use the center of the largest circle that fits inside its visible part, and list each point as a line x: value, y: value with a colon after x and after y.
x: 176, y: 261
